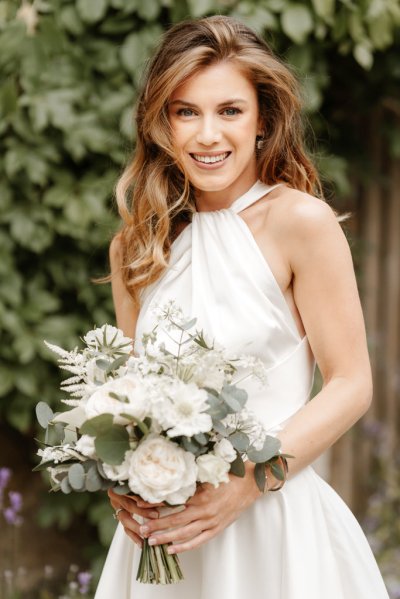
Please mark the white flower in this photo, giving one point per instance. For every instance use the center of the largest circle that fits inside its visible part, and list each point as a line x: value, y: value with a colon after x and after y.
x: 94, y: 374
x: 108, y: 336
x: 185, y: 413
x: 160, y: 470
x: 85, y: 446
x: 120, y: 472
x: 248, y: 423
x: 58, y: 454
x: 225, y: 450
x: 212, y: 469
x: 133, y: 399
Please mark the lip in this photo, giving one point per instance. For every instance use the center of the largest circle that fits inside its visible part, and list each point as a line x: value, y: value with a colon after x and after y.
x: 213, y: 165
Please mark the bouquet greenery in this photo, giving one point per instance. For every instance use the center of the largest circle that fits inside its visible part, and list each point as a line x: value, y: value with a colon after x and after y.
x: 155, y: 424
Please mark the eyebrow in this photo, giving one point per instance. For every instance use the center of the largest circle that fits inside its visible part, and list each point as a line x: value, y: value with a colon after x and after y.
x: 225, y: 103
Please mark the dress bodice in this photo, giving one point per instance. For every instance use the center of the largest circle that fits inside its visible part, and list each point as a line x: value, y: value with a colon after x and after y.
x: 218, y: 274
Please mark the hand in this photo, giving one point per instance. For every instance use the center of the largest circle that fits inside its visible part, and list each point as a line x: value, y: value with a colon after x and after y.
x: 207, y: 513
x: 133, y: 505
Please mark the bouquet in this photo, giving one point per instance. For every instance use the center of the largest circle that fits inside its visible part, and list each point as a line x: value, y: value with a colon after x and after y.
x: 156, y: 424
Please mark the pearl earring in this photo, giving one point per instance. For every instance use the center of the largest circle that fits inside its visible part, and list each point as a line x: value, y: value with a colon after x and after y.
x: 259, y: 142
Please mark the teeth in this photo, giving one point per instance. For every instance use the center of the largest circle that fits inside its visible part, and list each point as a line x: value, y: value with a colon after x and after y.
x: 210, y: 159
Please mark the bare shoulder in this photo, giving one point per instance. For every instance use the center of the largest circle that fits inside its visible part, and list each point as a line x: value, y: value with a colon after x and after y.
x: 304, y: 222
x: 301, y: 212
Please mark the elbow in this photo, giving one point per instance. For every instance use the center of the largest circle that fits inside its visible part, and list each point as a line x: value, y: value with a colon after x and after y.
x: 364, y: 394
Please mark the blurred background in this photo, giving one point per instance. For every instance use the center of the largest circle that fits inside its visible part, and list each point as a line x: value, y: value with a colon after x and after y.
x: 69, y: 75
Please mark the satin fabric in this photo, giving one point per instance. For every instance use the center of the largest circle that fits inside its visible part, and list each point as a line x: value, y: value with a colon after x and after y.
x: 301, y: 542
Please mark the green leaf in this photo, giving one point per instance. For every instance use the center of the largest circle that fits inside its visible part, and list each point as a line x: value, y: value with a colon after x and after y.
x: 149, y: 10
x: 259, y: 475
x: 297, y: 22
x: 44, y: 414
x: 201, y: 438
x: 112, y: 445
x: 270, y: 448
x: 65, y: 486
x: 324, y: 9
x: 239, y: 440
x: 97, y: 425
x: 122, y: 490
x: 363, y: 55
x: 237, y: 466
x: 76, y: 477
x: 199, y: 8
x: 93, y: 480
x: 91, y: 11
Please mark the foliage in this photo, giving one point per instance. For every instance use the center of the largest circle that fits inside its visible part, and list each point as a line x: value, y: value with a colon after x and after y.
x: 70, y: 70
x: 381, y: 522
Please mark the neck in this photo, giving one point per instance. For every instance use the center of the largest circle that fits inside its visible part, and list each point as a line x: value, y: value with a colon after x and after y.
x: 209, y: 200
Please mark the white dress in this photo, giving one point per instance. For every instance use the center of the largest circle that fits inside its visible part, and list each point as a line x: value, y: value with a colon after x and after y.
x: 301, y: 542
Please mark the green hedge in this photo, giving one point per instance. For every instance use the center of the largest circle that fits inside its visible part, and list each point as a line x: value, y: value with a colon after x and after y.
x: 69, y: 72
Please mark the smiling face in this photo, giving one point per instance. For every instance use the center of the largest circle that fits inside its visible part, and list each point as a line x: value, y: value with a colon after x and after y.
x: 215, y: 120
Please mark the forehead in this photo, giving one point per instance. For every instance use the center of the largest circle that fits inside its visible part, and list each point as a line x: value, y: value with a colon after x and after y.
x: 224, y: 79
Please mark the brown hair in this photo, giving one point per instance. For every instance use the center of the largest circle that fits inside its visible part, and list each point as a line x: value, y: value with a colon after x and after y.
x: 153, y: 194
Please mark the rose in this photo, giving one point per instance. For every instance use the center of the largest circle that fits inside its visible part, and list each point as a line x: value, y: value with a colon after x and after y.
x: 160, y: 471
x: 225, y: 450
x: 212, y: 469
x: 133, y: 400
x: 85, y: 446
x: 120, y: 472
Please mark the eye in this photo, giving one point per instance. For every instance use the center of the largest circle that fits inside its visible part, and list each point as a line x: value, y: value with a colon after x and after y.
x: 233, y: 111
x: 184, y: 112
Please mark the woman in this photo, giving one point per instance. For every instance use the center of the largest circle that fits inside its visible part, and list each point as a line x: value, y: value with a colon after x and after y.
x: 225, y: 219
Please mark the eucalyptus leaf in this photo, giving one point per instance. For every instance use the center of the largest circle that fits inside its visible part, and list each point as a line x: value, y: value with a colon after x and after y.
x: 237, y: 466
x: 239, y: 440
x: 76, y: 477
x: 201, y: 438
x: 97, y: 425
x: 220, y: 428
x: 259, y: 475
x: 93, y: 481
x: 112, y: 444
x: 270, y: 448
x: 122, y: 490
x: 44, y: 414
x: 65, y: 486
x: 115, y: 364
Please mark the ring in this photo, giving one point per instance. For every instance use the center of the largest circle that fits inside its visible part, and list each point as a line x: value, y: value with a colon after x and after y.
x: 115, y: 514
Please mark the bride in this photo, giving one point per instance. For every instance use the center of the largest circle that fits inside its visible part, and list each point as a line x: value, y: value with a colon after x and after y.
x: 222, y: 210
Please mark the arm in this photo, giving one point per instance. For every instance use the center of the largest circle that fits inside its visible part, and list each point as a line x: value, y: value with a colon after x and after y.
x: 325, y: 292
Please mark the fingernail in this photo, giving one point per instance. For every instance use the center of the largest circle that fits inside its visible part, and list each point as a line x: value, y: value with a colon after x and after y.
x: 152, y: 541
x: 144, y: 530
x: 170, y: 550
x: 154, y: 514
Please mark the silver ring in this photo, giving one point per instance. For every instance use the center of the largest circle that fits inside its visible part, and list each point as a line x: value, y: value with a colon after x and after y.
x: 117, y: 511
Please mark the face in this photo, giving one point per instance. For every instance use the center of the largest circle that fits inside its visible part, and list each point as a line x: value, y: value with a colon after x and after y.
x: 215, y: 119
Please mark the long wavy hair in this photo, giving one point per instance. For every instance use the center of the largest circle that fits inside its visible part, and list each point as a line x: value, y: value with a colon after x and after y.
x: 154, y: 194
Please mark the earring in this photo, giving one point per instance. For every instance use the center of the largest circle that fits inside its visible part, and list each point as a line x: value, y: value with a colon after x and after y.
x: 259, y: 142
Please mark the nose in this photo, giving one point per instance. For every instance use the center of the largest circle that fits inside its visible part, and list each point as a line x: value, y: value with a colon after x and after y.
x: 208, y: 132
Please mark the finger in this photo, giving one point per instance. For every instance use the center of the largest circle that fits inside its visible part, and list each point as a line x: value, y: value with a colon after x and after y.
x: 193, y: 543
x: 171, y: 521
x: 132, y: 507
x: 135, y: 538
x: 129, y: 523
x: 178, y: 535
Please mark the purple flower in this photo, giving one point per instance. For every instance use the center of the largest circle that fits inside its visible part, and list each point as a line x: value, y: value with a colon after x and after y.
x: 84, y: 579
x: 12, y: 517
x: 5, y: 474
x: 15, y: 500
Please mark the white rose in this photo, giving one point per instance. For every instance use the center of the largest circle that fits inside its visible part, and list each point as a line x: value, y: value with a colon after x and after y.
x: 212, y: 469
x: 160, y: 470
x: 225, y: 450
x: 85, y: 446
x: 120, y: 472
x: 127, y: 387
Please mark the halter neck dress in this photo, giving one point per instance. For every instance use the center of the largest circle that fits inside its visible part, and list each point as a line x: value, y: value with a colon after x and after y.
x: 301, y: 542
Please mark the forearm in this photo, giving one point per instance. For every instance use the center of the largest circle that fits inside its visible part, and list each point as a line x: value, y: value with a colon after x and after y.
x: 323, y: 420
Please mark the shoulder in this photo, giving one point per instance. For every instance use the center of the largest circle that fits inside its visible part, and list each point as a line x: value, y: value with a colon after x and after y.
x: 306, y: 228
